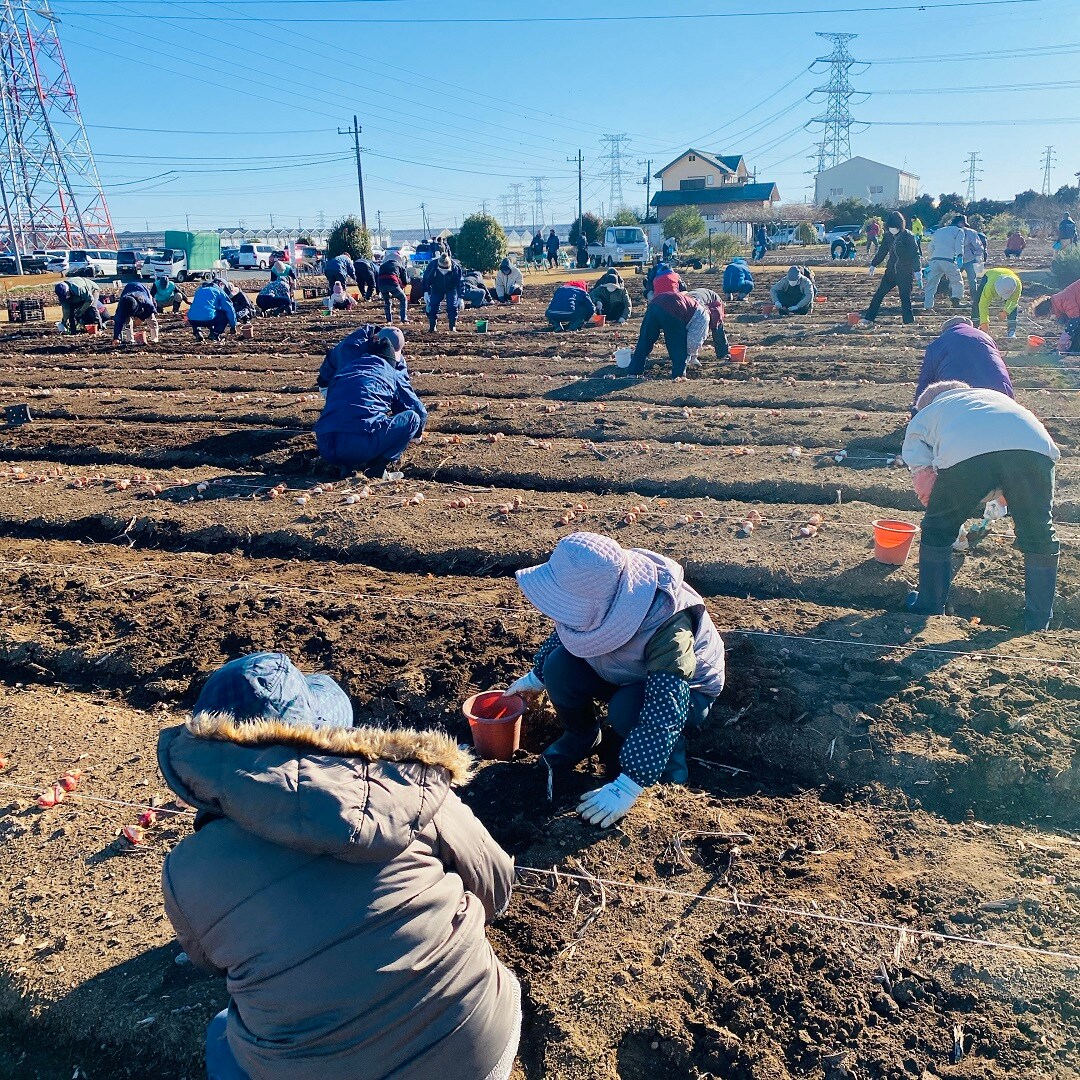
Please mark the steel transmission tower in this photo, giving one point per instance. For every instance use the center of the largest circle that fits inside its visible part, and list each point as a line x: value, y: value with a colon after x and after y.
x: 538, y: 201
x: 973, y: 174
x: 1049, y: 161
x: 617, y: 157
x: 836, y: 121
x: 515, y: 197
x: 48, y: 180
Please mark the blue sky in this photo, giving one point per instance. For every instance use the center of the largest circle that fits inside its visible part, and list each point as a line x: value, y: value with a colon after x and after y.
x: 226, y: 111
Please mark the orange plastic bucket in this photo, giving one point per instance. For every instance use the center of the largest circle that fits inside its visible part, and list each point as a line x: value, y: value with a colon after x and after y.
x: 599, y: 320
x: 892, y: 541
x: 738, y: 354
x: 495, y: 720
x: 1036, y: 342
x: 853, y: 318
x: 767, y: 309
x: 91, y: 328
x: 515, y: 298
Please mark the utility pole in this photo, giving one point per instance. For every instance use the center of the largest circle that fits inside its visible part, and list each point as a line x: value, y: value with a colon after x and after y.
x: 647, y: 181
x: 616, y: 156
x: 354, y: 131
x: 836, y: 121
x: 515, y: 194
x: 1049, y: 161
x: 483, y: 207
x: 973, y: 173
x: 580, y: 206
x: 378, y: 218
x: 187, y: 222
x: 423, y: 216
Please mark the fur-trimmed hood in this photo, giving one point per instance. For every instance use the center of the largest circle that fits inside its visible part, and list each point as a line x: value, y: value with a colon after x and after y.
x: 360, y: 794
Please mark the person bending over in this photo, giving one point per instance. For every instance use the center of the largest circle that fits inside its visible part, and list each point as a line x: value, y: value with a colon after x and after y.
x: 571, y: 307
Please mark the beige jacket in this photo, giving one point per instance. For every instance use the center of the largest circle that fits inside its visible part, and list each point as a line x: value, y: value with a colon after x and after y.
x: 343, y: 888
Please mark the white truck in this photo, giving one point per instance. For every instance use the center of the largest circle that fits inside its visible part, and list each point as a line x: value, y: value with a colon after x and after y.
x: 624, y: 245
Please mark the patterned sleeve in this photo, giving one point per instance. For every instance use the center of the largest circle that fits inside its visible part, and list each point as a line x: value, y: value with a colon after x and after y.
x: 545, y: 650
x: 648, y: 747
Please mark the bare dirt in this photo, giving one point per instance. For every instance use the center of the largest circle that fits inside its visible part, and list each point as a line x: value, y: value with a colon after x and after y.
x: 860, y: 766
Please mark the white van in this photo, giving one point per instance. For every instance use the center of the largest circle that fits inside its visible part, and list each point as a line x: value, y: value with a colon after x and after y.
x: 256, y: 256
x: 58, y: 262
x: 91, y: 262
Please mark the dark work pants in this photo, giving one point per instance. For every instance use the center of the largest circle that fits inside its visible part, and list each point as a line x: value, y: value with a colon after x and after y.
x: 976, y: 300
x: 720, y: 342
x: 372, y: 447
x: 390, y: 292
x: 674, y: 330
x: 1024, y: 477
x: 275, y: 305
x: 574, y: 688
x: 574, y: 322
x: 889, y: 282
x: 365, y: 282
x: 216, y: 326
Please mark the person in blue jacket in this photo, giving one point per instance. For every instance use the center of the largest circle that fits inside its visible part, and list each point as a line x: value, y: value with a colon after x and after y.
x: 571, y: 307
x: 212, y: 310
x: 443, y: 280
x: 372, y: 412
x: 738, y: 282
x: 340, y: 268
x: 1067, y: 231
x: 137, y: 304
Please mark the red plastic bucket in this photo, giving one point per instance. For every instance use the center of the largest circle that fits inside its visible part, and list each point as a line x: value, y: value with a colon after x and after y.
x: 737, y: 353
x: 599, y: 320
x: 767, y: 309
x: 853, y: 318
x: 1035, y: 342
x: 495, y: 721
x: 515, y: 298
x: 892, y: 541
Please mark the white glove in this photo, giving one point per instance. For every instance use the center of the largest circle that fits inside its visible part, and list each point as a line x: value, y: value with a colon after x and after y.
x: 870, y: 270
x: 608, y: 804
x: 527, y: 684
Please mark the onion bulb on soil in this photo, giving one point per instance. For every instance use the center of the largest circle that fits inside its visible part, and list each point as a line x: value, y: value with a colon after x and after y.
x: 147, y: 819
x: 133, y: 834
x: 745, y: 528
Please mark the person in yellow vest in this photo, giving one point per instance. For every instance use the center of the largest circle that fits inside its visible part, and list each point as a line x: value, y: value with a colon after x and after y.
x: 917, y: 230
x: 997, y: 285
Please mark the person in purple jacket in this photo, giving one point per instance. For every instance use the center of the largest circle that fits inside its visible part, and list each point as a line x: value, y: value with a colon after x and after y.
x: 966, y: 354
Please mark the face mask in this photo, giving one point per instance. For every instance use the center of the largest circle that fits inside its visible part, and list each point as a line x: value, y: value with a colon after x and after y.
x: 894, y: 231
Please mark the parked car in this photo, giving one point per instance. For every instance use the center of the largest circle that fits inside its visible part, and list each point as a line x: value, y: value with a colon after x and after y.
x: 838, y: 232
x: 58, y: 262
x: 35, y: 262
x: 622, y: 245
x: 307, y: 258
x: 92, y: 262
x: 280, y: 254
x: 129, y: 262
x: 782, y: 235
x: 255, y: 256
x: 231, y: 255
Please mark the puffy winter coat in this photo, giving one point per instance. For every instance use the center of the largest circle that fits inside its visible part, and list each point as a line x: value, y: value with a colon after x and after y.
x: 339, y: 268
x: 570, y: 302
x: 135, y: 303
x: 988, y: 293
x: 507, y: 281
x: 947, y: 243
x: 1015, y: 242
x: 902, y: 253
x: 393, y: 271
x: 439, y: 283
x: 968, y: 355
x: 962, y: 424
x: 552, y: 245
x: 364, y: 391
x: 343, y: 888
x: 207, y: 302
x: 1066, y: 304
x: 737, y: 277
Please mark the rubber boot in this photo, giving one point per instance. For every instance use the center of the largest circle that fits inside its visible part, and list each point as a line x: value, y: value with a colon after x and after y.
x: 935, y: 577
x: 580, y: 737
x: 1040, y: 580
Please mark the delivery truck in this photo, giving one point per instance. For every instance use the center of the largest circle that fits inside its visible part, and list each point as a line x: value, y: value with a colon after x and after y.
x: 186, y: 255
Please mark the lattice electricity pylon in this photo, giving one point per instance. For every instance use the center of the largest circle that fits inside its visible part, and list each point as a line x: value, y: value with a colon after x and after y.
x: 1049, y: 161
x: 973, y: 173
x: 617, y: 156
x: 836, y: 121
x: 48, y: 180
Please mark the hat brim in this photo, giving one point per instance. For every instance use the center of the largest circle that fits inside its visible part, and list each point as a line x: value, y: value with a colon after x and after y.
x: 631, y: 603
x: 329, y: 703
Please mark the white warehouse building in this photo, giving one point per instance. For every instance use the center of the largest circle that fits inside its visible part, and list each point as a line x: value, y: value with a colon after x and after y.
x: 870, y: 181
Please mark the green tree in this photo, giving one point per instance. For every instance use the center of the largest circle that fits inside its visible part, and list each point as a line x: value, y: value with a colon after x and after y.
x: 480, y: 243
x: 718, y: 248
x: 594, y: 226
x: 1065, y: 268
x: 307, y: 241
x: 686, y: 225
x: 625, y: 216
x: 348, y: 235
x: 806, y: 233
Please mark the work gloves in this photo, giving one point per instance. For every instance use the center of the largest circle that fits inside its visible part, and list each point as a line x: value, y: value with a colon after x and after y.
x: 923, y: 481
x: 527, y: 684
x: 870, y: 270
x: 608, y: 804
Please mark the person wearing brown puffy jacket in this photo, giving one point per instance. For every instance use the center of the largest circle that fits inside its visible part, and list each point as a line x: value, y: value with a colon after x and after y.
x: 339, y: 883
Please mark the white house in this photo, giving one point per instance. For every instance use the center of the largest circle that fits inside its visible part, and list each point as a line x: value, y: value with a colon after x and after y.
x: 869, y: 181
x: 719, y: 186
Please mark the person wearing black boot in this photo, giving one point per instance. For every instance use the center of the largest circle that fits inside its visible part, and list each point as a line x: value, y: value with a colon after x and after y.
x: 962, y: 446
x: 630, y: 632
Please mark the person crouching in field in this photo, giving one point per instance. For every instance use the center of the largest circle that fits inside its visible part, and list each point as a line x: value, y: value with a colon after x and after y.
x: 339, y: 883
x: 631, y: 633
x: 794, y: 293
x: 738, y: 281
x: 963, y: 353
x: 1002, y: 286
x: 508, y: 282
x: 275, y: 298
x: 372, y: 413
x: 610, y: 298
x: 340, y: 299
x: 571, y: 307
x: 1064, y: 307
x: 165, y: 293
x: 135, y: 305
x: 963, y: 445
x: 211, y: 309
x: 78, y: 301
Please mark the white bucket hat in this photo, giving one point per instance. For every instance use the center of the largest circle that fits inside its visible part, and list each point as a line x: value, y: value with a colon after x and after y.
x: 597, y: 592
x: 1005, y: 287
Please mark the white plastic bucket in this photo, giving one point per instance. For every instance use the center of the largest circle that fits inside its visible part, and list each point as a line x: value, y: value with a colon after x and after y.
x: 623, y: 357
